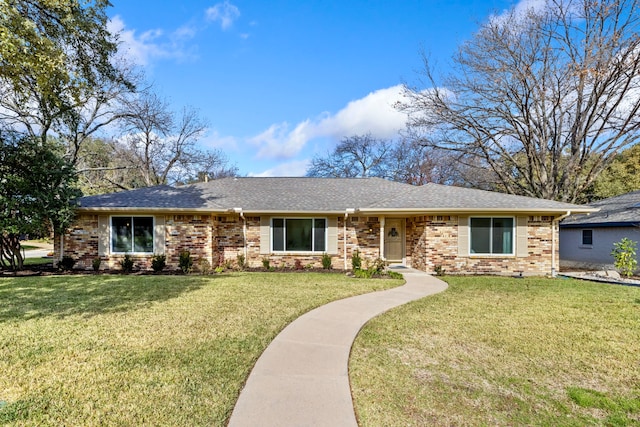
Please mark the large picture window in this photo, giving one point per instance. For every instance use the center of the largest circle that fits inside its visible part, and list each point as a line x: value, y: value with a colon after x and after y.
x: 491, y: 236
x: 299, y: 234
x: 132, y: 234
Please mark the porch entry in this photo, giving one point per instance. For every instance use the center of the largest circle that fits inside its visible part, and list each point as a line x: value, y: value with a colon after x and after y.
x: 394, y: 240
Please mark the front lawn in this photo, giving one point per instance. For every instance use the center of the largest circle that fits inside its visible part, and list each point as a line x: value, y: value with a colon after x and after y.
x: 502, y: 351
x: 144, y: 350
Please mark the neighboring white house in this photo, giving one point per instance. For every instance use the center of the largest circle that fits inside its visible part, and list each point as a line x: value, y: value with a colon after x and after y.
x: 586, y: 241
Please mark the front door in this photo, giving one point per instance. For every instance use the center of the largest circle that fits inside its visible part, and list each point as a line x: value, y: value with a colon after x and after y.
x: 394, y: 240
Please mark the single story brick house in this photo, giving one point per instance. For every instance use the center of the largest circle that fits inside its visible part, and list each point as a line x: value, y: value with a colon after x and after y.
x: 297, y: 220
x: 586, y: 241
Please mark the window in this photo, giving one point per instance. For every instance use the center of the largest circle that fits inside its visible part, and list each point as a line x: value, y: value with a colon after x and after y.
x: 587, y: 237
x: 299, y: 234
x: 491, y: 235
x: 132, y: 234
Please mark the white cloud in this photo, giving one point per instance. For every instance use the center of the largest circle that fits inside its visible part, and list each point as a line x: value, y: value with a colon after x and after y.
x: 372, y: 114
x: 294, y: 168
x: 145, y: 48
x: 224, y: 12
x: 214, y: 140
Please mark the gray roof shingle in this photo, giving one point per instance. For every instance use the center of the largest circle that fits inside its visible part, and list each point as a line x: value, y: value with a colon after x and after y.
x: 318, y: 195
x: 623, y: 210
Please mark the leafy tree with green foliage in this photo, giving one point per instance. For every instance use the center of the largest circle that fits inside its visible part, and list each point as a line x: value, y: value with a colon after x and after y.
x: 58, y: 71
x: 620, y: 177
x: 37, y: 188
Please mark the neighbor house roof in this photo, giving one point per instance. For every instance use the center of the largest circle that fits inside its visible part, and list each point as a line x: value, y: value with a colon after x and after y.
x: 313, y: 195
x: 618, y: 211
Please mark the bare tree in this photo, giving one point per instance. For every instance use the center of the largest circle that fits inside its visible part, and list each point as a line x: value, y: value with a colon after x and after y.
x: 354, y: 156
x: 162, y: 146
x: 544, y: 99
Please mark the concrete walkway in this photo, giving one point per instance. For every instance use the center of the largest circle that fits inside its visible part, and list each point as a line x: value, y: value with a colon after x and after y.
x: 302, y: 377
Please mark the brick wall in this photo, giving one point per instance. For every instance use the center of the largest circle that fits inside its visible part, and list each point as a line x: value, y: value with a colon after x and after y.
x: 431, y: 241
x: 81, y: 242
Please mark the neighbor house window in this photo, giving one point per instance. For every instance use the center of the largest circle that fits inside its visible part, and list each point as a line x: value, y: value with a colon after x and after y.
x: 132, y: 234
x: 587, y: 237
x: 299, y: 234
x: 491, y: 235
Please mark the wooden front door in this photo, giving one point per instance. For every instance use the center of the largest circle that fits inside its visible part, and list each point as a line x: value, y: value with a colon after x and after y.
x: 394, y: 240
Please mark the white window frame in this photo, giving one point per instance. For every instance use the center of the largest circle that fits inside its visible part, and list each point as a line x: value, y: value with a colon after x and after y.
x: 153, y: 233
x: 313, y: 230
x: 514, y: 238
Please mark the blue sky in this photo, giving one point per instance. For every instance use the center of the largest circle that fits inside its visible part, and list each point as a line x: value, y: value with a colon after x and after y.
x: 282, y: 81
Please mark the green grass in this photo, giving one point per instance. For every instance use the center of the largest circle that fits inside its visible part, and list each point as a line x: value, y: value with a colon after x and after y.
x: 37, y: 261
x: 501, y: 351
x: 144, y: 350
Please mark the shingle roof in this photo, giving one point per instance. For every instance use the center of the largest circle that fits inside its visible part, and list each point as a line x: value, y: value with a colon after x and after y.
x: 623, y: 210
x: 318, y: 195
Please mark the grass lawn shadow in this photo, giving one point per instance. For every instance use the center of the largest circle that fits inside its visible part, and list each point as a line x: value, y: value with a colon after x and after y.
x: 26, y: 298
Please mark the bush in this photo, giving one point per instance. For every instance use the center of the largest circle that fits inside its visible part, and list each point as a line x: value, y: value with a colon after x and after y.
x: 96, y: 263
x: 356, y: 260
x: 66, y: 263
x: 241, y: 261
x: 326, y: 261
x: 204, y: 266
x: 298, y: 264
x: 127, y: 264
x: 158, y: 263
x: 363, y: 274
x: 624, y: 254
x: 439, y: 270
x: 395, y: 275
x: 185, y: 262
x: 378, y: 266
x: 266, y: 264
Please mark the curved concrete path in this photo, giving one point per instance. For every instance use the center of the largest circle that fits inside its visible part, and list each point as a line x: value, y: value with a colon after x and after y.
x: 302, y: 377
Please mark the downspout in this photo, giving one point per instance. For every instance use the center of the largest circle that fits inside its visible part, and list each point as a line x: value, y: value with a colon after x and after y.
x: 554, y: 222
x: 344, y: 234
x: 244, y: 231
x: 382, y: 221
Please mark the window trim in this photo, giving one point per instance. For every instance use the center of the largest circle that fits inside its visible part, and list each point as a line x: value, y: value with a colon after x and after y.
x: 153, y: 234
x: 514, y: 238
x: 313, y: 228
x: 582, y: 243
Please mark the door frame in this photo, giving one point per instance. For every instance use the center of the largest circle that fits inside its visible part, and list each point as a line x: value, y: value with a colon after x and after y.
x: 403, y: 239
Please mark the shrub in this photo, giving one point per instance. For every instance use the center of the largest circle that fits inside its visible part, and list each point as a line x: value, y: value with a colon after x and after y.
x: 127, y: 264
x: 96, y: 263
x: 204, y: 266
x: 439, y: 270
x: 378, y: 266
x: 219, y: 269
x: 362, y: 274
x: 266, y: 264
x: 185, y: 262
x: 241, y: 261
x: 298, y: 264
x: 326, y: 261
x: 395, y: 275
x: 66, y: 263
x: 356, y: 260
x: 158, y: 263
x: 624, y: 255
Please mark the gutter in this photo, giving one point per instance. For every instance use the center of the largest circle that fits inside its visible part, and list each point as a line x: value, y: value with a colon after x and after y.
x: 554, y: 226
